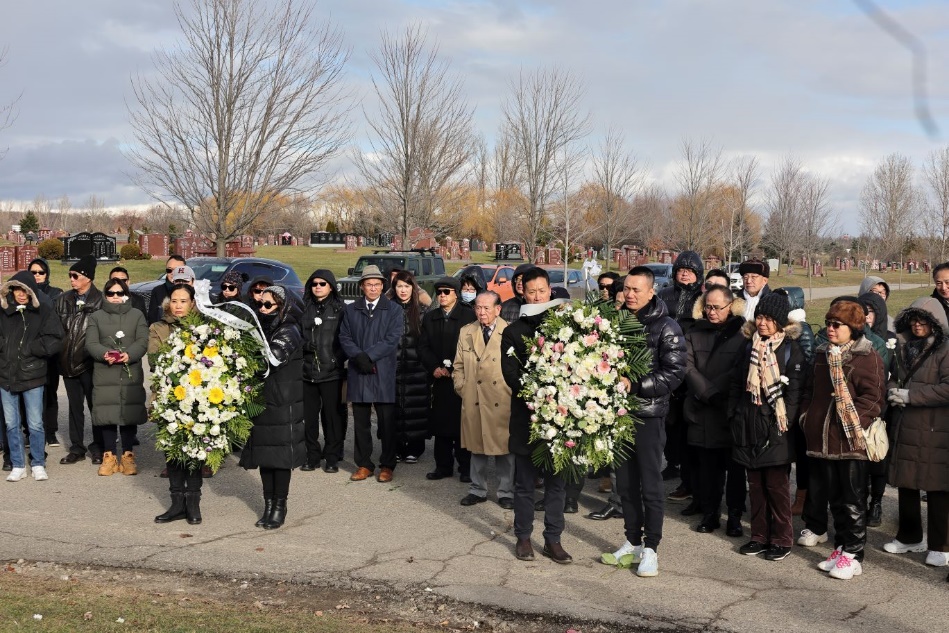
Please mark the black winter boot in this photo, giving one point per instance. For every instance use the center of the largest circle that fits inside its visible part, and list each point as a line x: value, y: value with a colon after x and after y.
x: 278, y: 515
x: 733, y: 527
x: 268, y: 513
x: 176, y: 485
x: 193, y: 482
x: 875, y: 513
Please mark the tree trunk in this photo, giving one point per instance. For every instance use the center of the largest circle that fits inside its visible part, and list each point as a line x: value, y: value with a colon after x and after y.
x: 219, y: 245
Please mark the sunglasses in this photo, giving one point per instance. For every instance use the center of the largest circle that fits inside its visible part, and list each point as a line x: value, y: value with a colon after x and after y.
x: 444, y: 291
x: 833, y: 324
x: 319, y: 284
x: 228, y: 287
x: 115, y: 293
x: 257, y: 291
x: 38, y: 273
x: 125, y: 279
x: 607, y: 287
x: 268, y: 304
x: 168, y: 271
x: 74, y: 276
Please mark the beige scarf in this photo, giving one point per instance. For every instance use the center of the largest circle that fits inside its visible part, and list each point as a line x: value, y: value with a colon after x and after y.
x: 846, y: 411
x: 765, y: 375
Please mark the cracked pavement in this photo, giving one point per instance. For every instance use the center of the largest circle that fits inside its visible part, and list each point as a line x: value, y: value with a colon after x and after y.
x: 413, y: 536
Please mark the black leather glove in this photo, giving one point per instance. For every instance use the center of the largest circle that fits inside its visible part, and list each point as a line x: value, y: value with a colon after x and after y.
x: 718, y: 400
x: 363, y: 363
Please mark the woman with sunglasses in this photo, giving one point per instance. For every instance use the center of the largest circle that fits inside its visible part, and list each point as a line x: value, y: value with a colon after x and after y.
x: 323, y: 371
x: 231, y: 284
x: 276, y: 445
x: 411, y: 379
x: 847, y: 393
x: 117, y: 339
x: 919, y: 453
x: 184, y: 485
x: 763, y: 405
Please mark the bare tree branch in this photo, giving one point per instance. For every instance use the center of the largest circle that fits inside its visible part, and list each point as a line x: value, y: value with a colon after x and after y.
x: 619, y: 178
x: 936, y: 215
x: 783, y: 226
x: 8, y: 112
x: 890, y: 205
x: 697, y: 175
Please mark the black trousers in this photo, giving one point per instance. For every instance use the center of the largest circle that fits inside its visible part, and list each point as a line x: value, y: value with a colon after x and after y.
x: 911, y: 522
x: 111, y: 432
x: 842, y: 483
x: 51, y: 397
x: 802, y: 473
x: 876, y: 476
x: 79, y: 392
x: 276, y: 482
x: 447, y: 450
x: 676, y: 448
x: 639, y: 483
x: 718, y: 474
x: 181, y: 480
x: 321, y: 402
x: 362, y: 434
x: 525, y: 474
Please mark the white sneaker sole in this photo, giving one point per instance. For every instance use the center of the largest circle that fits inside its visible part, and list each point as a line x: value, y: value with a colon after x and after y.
x: 647, y: 574
x: 903, y: 548
x: 940, y: 562
x: 812, y: 541
x: 857, y: 571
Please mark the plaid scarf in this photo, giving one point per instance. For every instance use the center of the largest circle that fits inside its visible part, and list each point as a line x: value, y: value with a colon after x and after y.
x: 846, y: 411
x: 765, y: 375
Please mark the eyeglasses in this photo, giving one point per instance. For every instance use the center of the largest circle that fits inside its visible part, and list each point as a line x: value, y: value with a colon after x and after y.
x: 834, y: 324
x: 709, y: 307
x: 38, y: 273
x: 319, y: 284
x: 268, y: 304
x: 228, y: 287
x: 115, y: 293
x: 74, y: 276
x: 444, y: 291
x: 918, y: 322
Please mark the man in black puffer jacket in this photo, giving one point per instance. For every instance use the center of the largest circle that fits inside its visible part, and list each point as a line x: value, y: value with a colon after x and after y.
x: 323, y: 366
x: 511, y: 309
x: 639, y: 479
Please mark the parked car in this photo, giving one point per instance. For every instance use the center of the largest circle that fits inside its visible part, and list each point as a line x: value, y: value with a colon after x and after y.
x: 427, y: 266
x: 662, y: 274
x: 214, y: 268
x: 574, y: 284
x: 495, y: 277
x: 734, y: 281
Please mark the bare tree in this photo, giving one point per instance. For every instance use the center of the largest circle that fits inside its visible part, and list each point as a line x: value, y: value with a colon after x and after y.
x: 890, y: 204
x: 543, y: 118
x: 936, y: 216
x: 698, y: 175
x: 783, y: 225
x: 248, y: 108
x: 63, y: 207
x: 8, y: 112
x: 736, y: 234
x: 816, y: 217
x: 619, y: 177
x: 422, y: 138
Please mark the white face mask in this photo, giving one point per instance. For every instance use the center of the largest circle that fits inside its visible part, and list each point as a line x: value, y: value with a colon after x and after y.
x: 468, y: 297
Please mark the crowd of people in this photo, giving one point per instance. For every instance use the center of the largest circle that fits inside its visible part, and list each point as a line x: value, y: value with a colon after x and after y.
x: 739, y: 388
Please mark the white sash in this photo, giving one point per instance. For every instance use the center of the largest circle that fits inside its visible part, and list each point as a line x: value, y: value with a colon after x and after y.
x: 202, y: 297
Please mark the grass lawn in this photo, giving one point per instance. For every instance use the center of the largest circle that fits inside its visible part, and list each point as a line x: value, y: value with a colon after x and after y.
x: 833, y: 278
x: 898, y: 300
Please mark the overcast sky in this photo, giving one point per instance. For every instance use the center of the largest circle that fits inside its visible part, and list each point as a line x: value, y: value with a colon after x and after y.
x: 816, y: 79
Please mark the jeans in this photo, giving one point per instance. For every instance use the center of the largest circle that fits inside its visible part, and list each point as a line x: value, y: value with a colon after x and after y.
x: 33, y: 399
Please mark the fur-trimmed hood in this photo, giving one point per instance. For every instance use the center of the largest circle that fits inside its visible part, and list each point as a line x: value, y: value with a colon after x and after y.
x: 792, y: 331
x: 23, y: 280
x: 698, y: 310
x: 929, y: 309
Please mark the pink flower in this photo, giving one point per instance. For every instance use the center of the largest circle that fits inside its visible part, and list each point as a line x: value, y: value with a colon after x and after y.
x: 558, y: 347
x: 569, y: 443
x: 603, y: 367
x: 597, y: 319
x: 540, y: 341
x: 590, y: 339
x: 619, y: 354
x: 575, y: 391
x: 562, y: 410
x: 621, y: 412
x: 530, y: 407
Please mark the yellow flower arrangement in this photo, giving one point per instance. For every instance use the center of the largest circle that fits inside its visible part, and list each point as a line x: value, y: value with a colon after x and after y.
x: 180, y: 392
x: 216, y: 395
x: 194, y: 377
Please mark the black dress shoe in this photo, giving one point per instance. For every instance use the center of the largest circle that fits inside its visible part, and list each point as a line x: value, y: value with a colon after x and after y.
x: 435, y: 475
x: 309, y: 466
x: 691, y: 510
x: 733, y: 526
x: 708, y: 525
x: 8, y: 466
x: 570, y: 506
x: 330, y: 468
x: 609, y: 511
x: 97, y: 460
x: 465, y: 479
x: 470, y: 500
x: 72, y: 458
x: 506, y: 502
x: 556, y: 553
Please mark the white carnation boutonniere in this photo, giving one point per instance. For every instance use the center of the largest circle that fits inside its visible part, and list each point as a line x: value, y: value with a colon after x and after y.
x: 834, y: 349
x: 891, y: 343
x: 80, y: 304
x: 20, y: 308
x: 318, y: 321
x: 446, y: 363
x: 120, y: 334
x: 784, y: 380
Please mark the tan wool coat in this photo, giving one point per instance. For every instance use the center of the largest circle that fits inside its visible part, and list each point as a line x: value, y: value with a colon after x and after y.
x: 485, y: 397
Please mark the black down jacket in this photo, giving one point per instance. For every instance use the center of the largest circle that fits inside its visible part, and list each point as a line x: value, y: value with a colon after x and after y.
x: 276, y: 439
x: 757, y: 443
x: 667, y: 367
x: 323, y: 357
x: 437, y: 344
x: 27, y: 337
x: 412, y: 395
x: 512, y: 367
x: 680, y: 298
x: 74, y: 359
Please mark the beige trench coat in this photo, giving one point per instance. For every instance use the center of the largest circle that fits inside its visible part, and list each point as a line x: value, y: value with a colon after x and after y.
x: 485, y: 397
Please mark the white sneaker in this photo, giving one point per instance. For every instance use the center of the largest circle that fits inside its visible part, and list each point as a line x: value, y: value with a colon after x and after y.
x: 809, y: 539
x: 937, y: 559
x: 649, y: 563
x: 846, y: 567
x: 626, y: 549
x: 828, y: 563
x: 897, y: 547
x: 39, y: 473
x: 17, y: 474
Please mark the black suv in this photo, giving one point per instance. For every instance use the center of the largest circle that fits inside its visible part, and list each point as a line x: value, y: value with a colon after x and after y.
x: 427, y: 266
x: 213, y: 269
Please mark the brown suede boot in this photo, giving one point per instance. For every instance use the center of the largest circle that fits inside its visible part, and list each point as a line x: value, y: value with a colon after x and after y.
x: 128, y: 467
x: 797, y: 508
x: 109, y: 465
x: 605, y: 485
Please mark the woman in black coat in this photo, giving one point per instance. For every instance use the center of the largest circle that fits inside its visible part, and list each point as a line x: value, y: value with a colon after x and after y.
x: 323, y: 371
x: 411, y: 380
x: 763, y: 406
x: 276, y: 443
